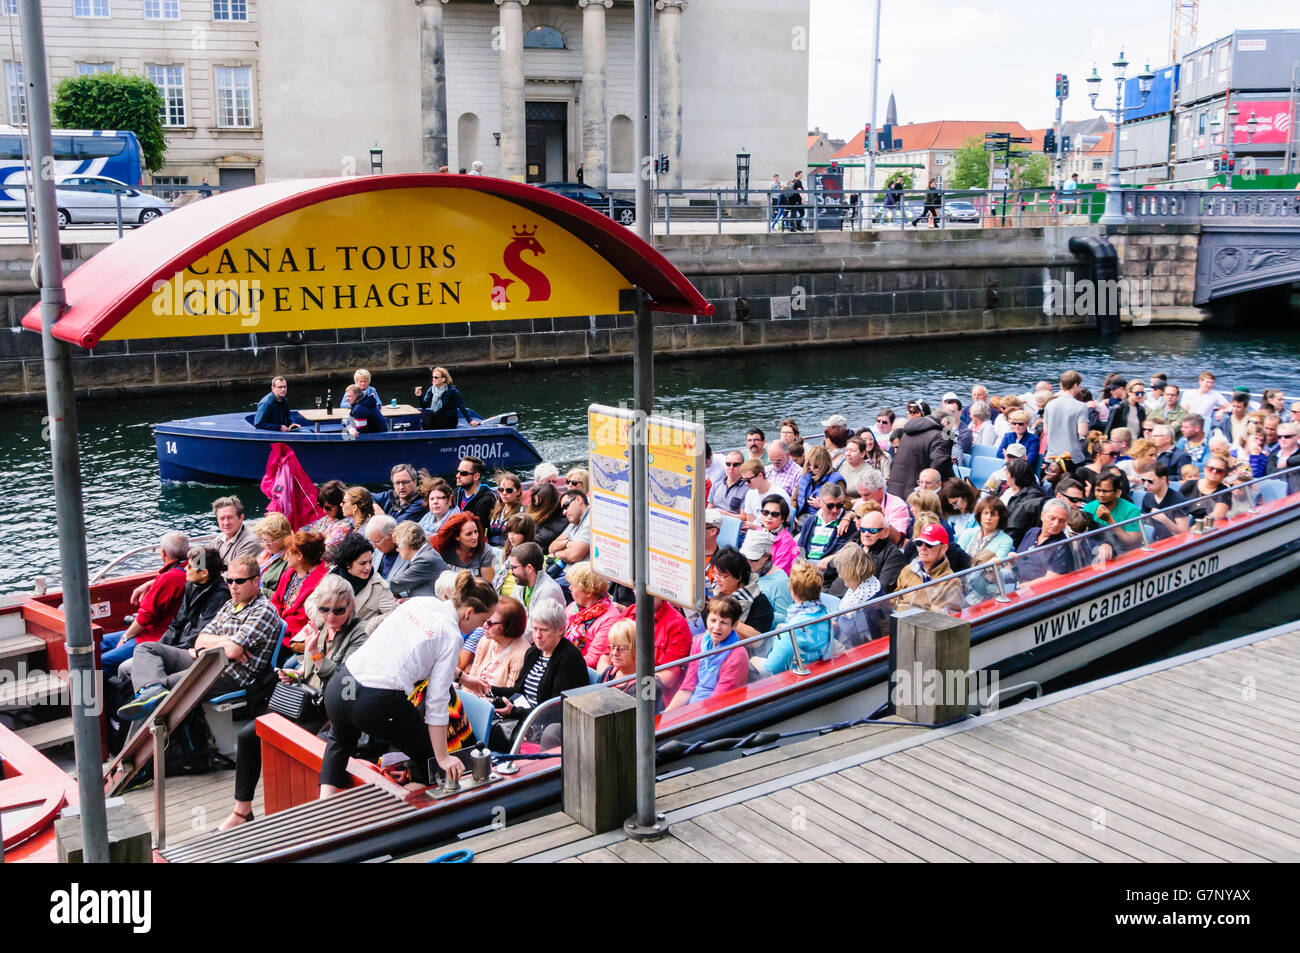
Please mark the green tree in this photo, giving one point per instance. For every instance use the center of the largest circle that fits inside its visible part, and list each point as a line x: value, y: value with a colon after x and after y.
x: 1030, y: 173
x: 970, y: 166
x: 114, y: 101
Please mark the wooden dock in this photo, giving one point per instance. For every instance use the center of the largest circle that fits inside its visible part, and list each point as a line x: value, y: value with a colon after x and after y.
x: 196, y: 804
x: 1195, y: 758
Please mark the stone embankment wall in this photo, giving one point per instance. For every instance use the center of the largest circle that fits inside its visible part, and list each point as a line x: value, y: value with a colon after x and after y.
x: 770, y: 291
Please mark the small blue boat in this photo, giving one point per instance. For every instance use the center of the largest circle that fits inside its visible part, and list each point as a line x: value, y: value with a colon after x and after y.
x: 226, y: 448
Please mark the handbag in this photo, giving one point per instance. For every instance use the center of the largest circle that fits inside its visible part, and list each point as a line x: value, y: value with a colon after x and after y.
x: 295, y: 701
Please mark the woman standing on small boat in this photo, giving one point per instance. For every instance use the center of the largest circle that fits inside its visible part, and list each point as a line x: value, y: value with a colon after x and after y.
x: 442, y: 403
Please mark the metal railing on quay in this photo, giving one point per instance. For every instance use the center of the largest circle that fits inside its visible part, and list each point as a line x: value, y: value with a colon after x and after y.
x: 1244, y: 206
x: 118, y: 206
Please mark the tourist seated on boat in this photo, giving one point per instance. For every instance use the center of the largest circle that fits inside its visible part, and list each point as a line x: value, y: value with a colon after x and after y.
x: 437, y: 492
x: 205, y: 593
x: 1141, y: 455
x: 755, y: 443
x: 574, y: 544
x: 781, y: 469
x: 552, y: 665
x: 520, y: 529
x: 354, y: 563
x: 379, y: 533
x: 861, y: 586
x: 926, y: 501
x: 245, y: 628
x: 444, y: 588
x: 982, y: 432
x: 773, y: 581
x: 1168, y: 516
x: 236, y: 538
x: 306, y: 554
x: 442, y: 404
x: 884, y: 425
x: 461, y: 544
x: 812, y: 636
x: 272, y: 531
x: 546, y: 472
x: 1019, y: 432
x: 1103, y: 455
x: 533, y: 585
x: 1024, y: 500
x: 509, y: 503
x: 329, y: 497
x: 672, y: 641
x: 774, y: 518
x: 404, y: 501
x: 797, y: 453
x: 988, y: 531
x: 622, y: 655
x: 544, y: 510
x: 1162, y: 436
x: 1055, y: 470
x: 817, y: 473
x: 833, y: 526
x: 958, y: 498
x: 333, y: 633
x: 418, y: 565
x: 734, y: 578
x: 158, y: 606
x: 714, y: 674
x: 1287, y: 454
x: 358, y: 509
x: 367, y: 417
x: 498, y: 655
x: 957, y: 557
x: 1109, y: 508
x: 871, y: 489
x: 1194, y: 441
x: 592, y: 613
x: 929, y: 567
x: 754, y: 475
x: 855, y: 461
x: 273, y: 411
x: 472, y: 494
x: 361, y: 377
x: 728, y: 494
x: 996, y: 484
x: 874, y: 537
x: 1037, y: 557
x: 397, y: 688
x: 983, y: 586
x: 1219, y: 481
x: 835, y: 437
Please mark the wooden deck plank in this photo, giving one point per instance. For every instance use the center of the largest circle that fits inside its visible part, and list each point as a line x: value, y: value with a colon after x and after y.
x: 1239, y: 720
x: 1216, y: 765
x: 1199, y: 821
x: 602, y: 855
x: 529, y: 846
x: 779, y: 835
x: 1266, y: 674
x: 675, y: 850
x: 635, y: 852
x: 903, y: 789
x: 1260, y: 709
x: 1256, y: 816
x: 707, y: 844
x: 954, y: 844
x: 1116, y: 842
x: 743, y: 840
x: 510, y: 834
x: 808, y: 826
x: 1225, y: 681
x: 848, y: 820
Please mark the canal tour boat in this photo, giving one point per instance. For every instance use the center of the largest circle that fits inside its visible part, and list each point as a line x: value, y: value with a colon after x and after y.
x: 1022, y: 634
x: 226, y: 448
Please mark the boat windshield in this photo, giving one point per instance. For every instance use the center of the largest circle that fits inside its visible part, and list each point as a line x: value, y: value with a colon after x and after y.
x: 834, y: 634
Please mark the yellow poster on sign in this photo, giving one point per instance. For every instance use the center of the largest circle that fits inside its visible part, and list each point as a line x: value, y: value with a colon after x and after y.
x: 610, y: 466
x: 382, y: 258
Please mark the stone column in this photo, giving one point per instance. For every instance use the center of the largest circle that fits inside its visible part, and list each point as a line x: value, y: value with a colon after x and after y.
x: 433, y: 85
x: 595, y: 122
x: 514, y: 149
x: 670, y: 89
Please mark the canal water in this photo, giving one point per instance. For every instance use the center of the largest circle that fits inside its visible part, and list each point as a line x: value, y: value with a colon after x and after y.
x: 127, y: 506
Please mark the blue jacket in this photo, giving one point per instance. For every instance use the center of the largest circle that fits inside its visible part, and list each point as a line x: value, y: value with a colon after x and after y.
x: 387, y: 501
x: 807, y: 488
x: 272, y: 413
x: 448, y: 415
x: 367, y: 410
x: 814, y: 640
x: 1031, y: 445
x: 370, y: 392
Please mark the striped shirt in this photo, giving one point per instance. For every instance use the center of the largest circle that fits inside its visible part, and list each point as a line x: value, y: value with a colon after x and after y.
x: 533, y: 680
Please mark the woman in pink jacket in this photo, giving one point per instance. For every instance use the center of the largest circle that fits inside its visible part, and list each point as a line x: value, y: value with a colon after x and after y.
x: 720, y: 672
x: 774, y: 516
x: 591, y: 614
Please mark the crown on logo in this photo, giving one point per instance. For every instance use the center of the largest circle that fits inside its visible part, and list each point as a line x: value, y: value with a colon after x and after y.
x: 523, y: 231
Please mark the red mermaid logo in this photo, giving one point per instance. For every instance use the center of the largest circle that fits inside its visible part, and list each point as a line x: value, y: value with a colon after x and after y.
x: 539, y: 286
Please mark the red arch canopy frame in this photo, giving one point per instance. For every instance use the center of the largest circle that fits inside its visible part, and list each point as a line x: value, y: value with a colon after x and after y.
x: 110, y: 285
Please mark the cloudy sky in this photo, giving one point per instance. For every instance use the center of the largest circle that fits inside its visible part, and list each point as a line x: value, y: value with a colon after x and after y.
x: 978, y: 59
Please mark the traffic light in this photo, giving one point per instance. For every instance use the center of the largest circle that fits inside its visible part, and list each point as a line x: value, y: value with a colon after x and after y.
x: 1059, y: 78
x: 1065, y: 87
x: 1230, y: 164
x: 1049, y: 142
x: 1217, y: 166
x: 1065, y: 143
x: 663, y: 163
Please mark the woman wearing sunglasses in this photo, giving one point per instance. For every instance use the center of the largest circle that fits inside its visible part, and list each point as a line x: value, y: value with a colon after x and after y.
x: 774, y: 516
x: 1220, y: 483
x: 510, y: 502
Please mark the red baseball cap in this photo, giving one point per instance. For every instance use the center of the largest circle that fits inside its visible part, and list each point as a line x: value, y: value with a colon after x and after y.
x: 934, y: 535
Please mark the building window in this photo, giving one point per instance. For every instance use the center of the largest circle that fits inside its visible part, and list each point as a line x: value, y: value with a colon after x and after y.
x: 170, y: 81
x: 544, y: 38
x: 91, y: 69
x: 90, y: 8
x: 230, y: 9
x: 235, y: 96
x: 467, y: 140
x: 169, y: 195
x: 1096, y: 165
x: 620, y: 145
x: 17, y: 92
x: 162, y: 9
x: 9, y: 8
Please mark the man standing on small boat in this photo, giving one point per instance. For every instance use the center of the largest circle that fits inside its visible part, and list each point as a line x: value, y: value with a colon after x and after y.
x: 273, y: 412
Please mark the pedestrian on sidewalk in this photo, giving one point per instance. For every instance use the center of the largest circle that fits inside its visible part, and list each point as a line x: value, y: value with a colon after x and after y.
x: 933, y: 203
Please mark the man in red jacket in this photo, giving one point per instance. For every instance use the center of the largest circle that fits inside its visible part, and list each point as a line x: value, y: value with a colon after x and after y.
x: 672, y: 641
x: 157, y: 607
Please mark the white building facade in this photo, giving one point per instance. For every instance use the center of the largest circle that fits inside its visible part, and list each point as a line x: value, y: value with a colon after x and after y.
x: 533, y: 89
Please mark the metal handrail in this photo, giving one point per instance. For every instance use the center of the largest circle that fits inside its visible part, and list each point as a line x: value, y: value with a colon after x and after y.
x: 141, y: 550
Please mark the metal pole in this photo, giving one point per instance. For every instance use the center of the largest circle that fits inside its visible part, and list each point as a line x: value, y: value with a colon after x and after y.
x: 159, y: 731
x: 1060, y: 131
x: 62, y: 408
x: 875, y: 81
x: 117, y: 194
x: 645, y: 823
x: 1114, y: 214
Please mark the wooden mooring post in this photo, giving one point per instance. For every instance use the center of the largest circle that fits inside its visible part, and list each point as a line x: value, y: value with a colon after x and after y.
x: 931, y: 661
x: 599, y: 758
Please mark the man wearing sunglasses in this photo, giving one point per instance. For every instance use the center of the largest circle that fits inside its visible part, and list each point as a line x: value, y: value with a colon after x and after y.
x: 1287, y: 454
x: 821, y: 538
x: 1169, y: 518
x: 728, y: 494
x: 888, y: 559
x: 471, y: 494
x: 246, y: 630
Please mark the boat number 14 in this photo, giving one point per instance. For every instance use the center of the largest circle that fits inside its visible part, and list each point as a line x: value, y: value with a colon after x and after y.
x: 171, y: 446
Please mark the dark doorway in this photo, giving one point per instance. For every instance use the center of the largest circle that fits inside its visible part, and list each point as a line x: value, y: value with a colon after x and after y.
x: 547, y: 141
x: 237, y: 178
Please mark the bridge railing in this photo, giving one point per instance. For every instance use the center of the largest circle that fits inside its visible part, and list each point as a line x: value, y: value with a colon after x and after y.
x: 1242, y: 206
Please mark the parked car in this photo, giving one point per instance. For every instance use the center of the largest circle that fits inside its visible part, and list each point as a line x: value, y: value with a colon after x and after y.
x: 93, y: 198
x: 959, y: 210
x: 624, y: 212
x: 881, y: 214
